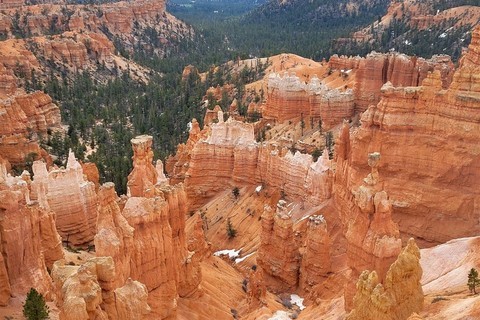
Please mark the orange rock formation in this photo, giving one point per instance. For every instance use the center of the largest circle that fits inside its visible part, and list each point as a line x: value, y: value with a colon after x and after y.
x: 30, y: 242
x: 143, y: 177
x: 71, y: 197
x: 288, y: 98
x: 409, y: 125
x: 278, y: 254
x: 316, y: 262
x: 398, y: 297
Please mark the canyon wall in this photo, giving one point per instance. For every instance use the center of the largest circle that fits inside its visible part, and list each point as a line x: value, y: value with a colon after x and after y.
x: 376, y: 69
x: 30, y: 243
x: 427, y: 136
x: 398, y: 297
x: 228, y: 155
x: 288, y: 98
x: 27, y: 117
x: 71, y: 197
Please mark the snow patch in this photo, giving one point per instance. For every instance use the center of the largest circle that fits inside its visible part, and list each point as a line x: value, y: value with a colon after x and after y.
x: 232, y: 254
x: 280, y: 315
x: 295, y: 299
x: 258, y: 189
x: 443, y: 35
x: 238, y: 260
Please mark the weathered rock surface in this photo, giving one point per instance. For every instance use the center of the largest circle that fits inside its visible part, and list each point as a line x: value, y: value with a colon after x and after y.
x: 373, y: 239
x: 142, y: 179
x: 278, y: 254
x: 114, y: 235
x: 30, y: 242
x: 434, y: 198
x: 229, y: 155
x: 72, y: 198
x: 25, y: 118
x: 88, y: 292
x: 316, y: 262
x: 398, y: 297
x: 376, y: 69
x: 290, y: 99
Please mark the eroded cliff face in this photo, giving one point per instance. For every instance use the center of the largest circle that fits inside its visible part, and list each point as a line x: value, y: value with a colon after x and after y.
x: 428, y: 139
x: 228, y: 155
x: 71, y: 197
x: 30, y: 242
x: 398, y: 297
x: 288, y: 98
x: 26, y: 118
x: 373, y: 239
x: 376, y: 69
x: 88, y: 292
x: 278, y: 253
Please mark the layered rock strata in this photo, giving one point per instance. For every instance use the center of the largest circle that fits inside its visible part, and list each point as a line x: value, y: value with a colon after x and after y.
x: 88, y: 292
x: 278, y: 254
x: 229, y: 156
x: 27, y: 117
x: 71, y: 197
x: 376, y: 69
x: 435, y: 197
x: 288, y: 98
x: 316, y: 262
x: 30, y: 242
x: 398, y: 297
x: 373, y: 239
x: 142, y: 179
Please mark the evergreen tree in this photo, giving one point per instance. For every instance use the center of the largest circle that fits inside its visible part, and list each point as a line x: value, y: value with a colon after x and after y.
x: 35, y: 307
x: 231, y: 231
x: 473, y: 280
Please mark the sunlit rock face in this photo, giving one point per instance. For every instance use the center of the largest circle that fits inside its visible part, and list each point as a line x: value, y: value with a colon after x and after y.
x: 71, y: 197
x: 428, y: 137
x: 400, y: 294
x: 30, y: 242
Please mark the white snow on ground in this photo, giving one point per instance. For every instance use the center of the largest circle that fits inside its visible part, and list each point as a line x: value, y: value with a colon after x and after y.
x: 280, y: 315
x: 443, y: 35
x: 258, y: 189
x: 232, y: 254
x: 238, y: 260
x: 295, y: 299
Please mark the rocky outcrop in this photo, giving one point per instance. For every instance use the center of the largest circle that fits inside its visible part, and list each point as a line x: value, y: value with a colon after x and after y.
x: 398, y: 297
x: 87, y: 292
x: 316, y: 262
x: 373, y: 239
x: 256, y: 289
x: 376, y: 69
x: 71, y: 197
x: 278, y: 254
x: 142, y: 179
x: 433, y: 200
x: 30, y: 242
x: 114, y: 235
x: 290, y: 99
x: 177, y: 165
x: 228, y: 155
x: 26, y: 118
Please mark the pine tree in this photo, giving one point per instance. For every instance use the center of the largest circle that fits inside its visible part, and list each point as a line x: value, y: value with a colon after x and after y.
x: 35, y: 307
x: 231, y: 232
x: 473, y: 280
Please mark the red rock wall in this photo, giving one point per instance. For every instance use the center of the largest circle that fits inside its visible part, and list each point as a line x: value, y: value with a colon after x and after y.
x: 428, y: 138
x: 30, y: 242
x: 25, y: 117
x: 403, y: 71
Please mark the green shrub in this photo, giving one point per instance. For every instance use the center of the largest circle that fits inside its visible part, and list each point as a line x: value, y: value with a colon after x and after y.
x: 35, y: 307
